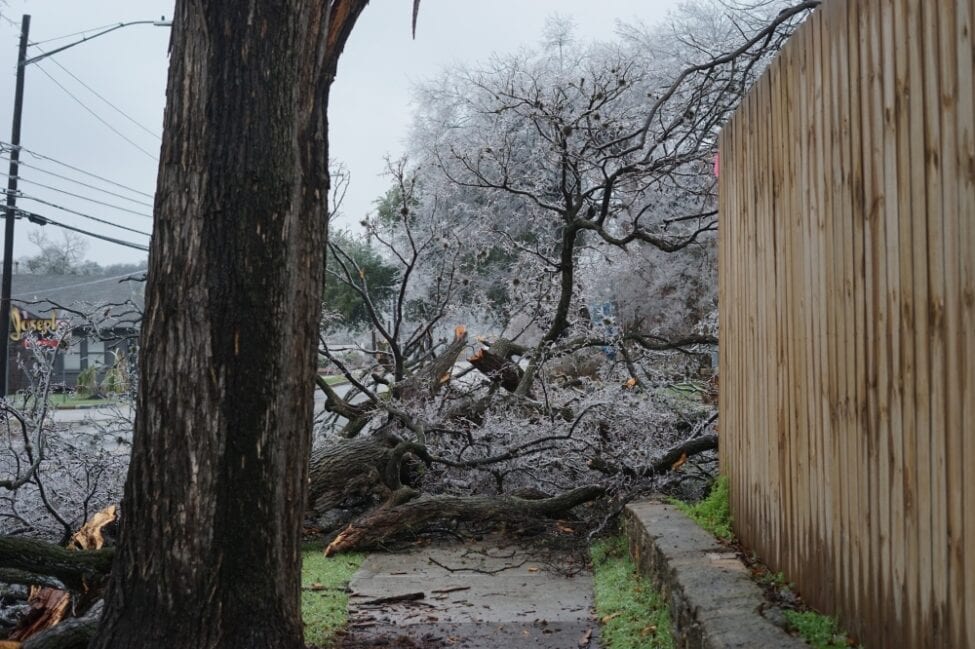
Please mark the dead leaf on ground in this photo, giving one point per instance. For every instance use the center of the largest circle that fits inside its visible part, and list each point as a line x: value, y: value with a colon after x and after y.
x: 607, y: 618
x: 586, y: 638
x: 650, y: 629
x: 680, y: 462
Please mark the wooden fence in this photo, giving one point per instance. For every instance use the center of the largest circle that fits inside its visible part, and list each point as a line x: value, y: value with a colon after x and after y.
x: 847, y: 287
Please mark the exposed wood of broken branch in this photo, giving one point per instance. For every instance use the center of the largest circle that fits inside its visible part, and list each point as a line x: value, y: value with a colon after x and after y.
x: 497, y: 368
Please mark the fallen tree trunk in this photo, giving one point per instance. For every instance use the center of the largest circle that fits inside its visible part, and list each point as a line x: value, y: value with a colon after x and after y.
x: 347, y: 469
x: 388, y: 521
x: 78, y: 570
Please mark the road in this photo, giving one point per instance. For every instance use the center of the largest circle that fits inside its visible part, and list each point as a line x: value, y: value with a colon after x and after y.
x: 115, y: 420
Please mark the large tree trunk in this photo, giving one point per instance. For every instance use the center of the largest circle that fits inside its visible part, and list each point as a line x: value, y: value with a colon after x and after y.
x: 209, y: 552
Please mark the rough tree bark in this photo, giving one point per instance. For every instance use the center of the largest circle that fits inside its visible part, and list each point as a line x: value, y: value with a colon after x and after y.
x: 78, y: 570
x: 209, y: 552
x: 388, y: 521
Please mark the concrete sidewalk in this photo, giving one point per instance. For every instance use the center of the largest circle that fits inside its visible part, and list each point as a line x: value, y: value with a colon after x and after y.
x: 474, y: 596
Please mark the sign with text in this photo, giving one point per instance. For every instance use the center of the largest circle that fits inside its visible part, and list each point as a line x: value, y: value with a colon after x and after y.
x: 23, y: 324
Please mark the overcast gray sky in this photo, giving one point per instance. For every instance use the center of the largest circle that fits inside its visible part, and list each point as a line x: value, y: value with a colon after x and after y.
x: 370, y: 108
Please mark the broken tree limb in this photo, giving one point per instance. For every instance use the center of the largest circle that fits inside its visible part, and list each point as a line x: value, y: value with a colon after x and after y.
x: 386, y: 522
x: 392, y: 599
x: 24, y: 578
x: 78, y: 569
x: 507, y: 348
x: 335, y: 403
x: 430, y: 378
x: 75, y: 633
x: 394, y: 465
x: 662, y: 464
x: 497, y: 368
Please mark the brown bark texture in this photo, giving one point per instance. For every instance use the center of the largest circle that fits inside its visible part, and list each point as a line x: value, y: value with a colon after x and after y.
x: 386, y: 522
x: 497, y: 368
x: 77, y: 570
x: 209, y: 552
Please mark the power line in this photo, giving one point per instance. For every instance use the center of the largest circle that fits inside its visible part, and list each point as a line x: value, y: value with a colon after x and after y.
x: 28, y: 197
x: 61, y: 38
x: 78, y: 182
x: 113, y: 106
x: 94, y: 114
x: 33, y: 217
x: 100, y: 280
x: 9, y: 147
x: 79, y: 196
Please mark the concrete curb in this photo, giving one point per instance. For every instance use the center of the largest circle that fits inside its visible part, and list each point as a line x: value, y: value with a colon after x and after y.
x: 714, y: 604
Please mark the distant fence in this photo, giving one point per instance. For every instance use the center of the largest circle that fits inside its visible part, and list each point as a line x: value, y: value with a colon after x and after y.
x: 847, y: 287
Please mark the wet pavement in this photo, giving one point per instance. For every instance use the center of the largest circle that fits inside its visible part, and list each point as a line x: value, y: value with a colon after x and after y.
x: 483, y: 595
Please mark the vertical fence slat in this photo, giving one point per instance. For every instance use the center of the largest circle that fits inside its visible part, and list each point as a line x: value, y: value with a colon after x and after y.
x: 935, y: 313
x: 892, y: 479
x: 908, y: 103
x: 834, y: 61
x: 951, y: 402
x: 966, y: 213
x: 856, y: 366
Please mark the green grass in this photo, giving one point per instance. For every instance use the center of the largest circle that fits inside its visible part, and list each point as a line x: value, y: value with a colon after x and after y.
x: 632, y: 613
x: 817, y: 629
x: 68, y: 400
x: 714, y: 512
x: 323, y: 593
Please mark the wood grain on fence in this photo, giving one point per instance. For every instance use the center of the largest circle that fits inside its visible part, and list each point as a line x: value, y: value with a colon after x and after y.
x: 847, y: 287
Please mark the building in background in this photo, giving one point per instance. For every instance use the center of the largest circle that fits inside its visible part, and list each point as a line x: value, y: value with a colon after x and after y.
x: 84, y: 321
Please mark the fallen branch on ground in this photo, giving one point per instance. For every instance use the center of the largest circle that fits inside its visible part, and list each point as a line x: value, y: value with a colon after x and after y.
x: 76, y: 569
x: 388, y: 521
x: 666, y: 462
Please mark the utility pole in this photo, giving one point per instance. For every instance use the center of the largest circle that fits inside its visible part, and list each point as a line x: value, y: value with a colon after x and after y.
x: 8, y: 232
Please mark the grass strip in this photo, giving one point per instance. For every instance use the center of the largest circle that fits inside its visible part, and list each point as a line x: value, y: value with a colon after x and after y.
x: 821, y: 631
x: 713, y: 513
x: 631, y: 612
x: 324, y: 598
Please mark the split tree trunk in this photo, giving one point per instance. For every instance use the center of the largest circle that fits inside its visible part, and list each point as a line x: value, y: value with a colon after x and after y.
x: 209, y: 552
